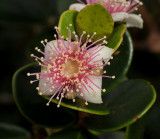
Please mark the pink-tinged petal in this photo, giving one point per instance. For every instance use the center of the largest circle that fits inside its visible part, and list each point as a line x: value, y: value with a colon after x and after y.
x: 77, y: 6
x: 93, y: 95
x: 94, y: 1
x: 105, y: 53
x: 45, y: 86
x: 52, y: 49
x: 134, y: 21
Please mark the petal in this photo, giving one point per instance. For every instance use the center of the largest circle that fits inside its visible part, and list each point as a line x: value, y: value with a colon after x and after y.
x: 77, y: 6
x: 43, y: 88
x: 121, y: 16
x: 52, y: 47
x: 91, y: 1
x: 90, y: 95
x: 132, y: 20
x: 50, y: 50
x: 105, y: 53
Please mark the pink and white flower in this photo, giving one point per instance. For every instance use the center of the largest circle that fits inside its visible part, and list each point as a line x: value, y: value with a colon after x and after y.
x: 121, y: 10
x: 72, y: 68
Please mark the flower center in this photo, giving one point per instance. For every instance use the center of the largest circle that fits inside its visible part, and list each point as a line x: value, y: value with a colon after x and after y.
x: 71, y: 67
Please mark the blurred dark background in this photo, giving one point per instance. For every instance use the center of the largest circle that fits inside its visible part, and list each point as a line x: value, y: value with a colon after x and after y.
x: 24, y: 23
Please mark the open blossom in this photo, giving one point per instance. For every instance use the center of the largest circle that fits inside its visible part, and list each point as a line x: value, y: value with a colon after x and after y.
x: 121, y: 10
x: 72, y: 68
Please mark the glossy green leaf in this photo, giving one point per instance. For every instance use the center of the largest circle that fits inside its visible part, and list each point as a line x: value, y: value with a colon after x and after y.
x: 120, y: 64
x: 95, y: 18
x: 152, y: 120
x: 8, y: 131
x: 135, y: 130
x: 32, y: 106
x: 117, y: 36
x: 127, y: 102
x: 72, y: 134
x: 67, y: 134
x: 112, y: 135
x: 79, y: 105
x: 67, y: 18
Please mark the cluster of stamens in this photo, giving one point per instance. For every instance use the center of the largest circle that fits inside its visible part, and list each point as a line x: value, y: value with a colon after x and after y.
x: 115, y: 6
x: 67, y: 64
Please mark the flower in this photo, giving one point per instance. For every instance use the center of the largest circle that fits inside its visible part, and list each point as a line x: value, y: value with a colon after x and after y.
x: 72, y: 68
x: 120, y: 10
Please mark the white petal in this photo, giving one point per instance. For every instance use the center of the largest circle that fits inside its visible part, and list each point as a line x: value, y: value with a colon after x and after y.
x: 43, y: 88
x: 93, y: 97
x: 132, y: 20
x: 121, y: 16
x: 105, y: 53
x: 77, y: 6
x: 51, y: 48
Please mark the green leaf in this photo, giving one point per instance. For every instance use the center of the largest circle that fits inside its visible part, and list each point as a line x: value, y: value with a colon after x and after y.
x: 112, y: 135
x: 67, y: 18
x: 8, y: 131
x: 152, y: 120
x: 66, y: 134
x: 32, y: 106
x: 117, y: 36
x: 79, y: 105
x: 72, y: 134
x: 95, y: 18
x: 120, y: 64
x: 128, y: 102
x: 135, y: 130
